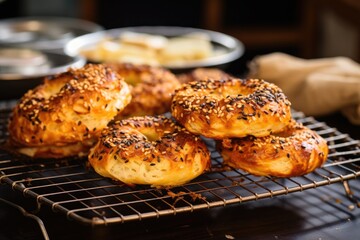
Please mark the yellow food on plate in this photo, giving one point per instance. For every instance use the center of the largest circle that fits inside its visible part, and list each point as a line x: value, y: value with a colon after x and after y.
x: 151, y: 49
x: 143, y: 39
x: 109, y: 50
x: 183, y: 49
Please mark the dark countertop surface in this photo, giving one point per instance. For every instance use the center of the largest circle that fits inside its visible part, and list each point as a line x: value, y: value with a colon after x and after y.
x: 321, y: 213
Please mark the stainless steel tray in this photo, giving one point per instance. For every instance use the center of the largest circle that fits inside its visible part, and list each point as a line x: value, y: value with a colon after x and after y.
x: 231, y: 47
x: 71, y: 188
x: 43, y: 33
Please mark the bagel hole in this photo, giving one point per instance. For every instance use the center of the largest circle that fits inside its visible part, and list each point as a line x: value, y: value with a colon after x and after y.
x: 131, y: 79
x: 233, y: 92
x: 151, y: 135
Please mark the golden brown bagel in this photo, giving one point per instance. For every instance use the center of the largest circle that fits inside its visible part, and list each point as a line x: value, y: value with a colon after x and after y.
x: 202, y: 74
x: 149, y: 150
x: 231, y: 108
x: 64, y: 115
x: 152, y: 89
x: 293, y: 152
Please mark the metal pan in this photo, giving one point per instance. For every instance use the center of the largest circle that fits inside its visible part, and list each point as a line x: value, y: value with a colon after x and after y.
x: 23, y: 69
x: 232, y: 48
x: 43, y: 33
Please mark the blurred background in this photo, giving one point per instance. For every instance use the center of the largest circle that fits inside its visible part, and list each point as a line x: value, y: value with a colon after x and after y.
x: 303, y: 28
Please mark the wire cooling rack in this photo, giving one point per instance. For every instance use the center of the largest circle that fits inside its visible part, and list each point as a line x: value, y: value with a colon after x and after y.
x: 70, y: 187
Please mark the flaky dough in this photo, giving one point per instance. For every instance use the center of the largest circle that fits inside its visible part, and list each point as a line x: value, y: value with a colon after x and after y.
x: 65, y: 115
x: 227, y: 108
x: 295, y: 151
x: 151, y: 89
x: 149, y: 150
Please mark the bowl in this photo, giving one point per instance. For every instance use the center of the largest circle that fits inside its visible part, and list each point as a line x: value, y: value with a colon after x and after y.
x: 43, y: 33
x: 23, y: 69
x: 227, y: 48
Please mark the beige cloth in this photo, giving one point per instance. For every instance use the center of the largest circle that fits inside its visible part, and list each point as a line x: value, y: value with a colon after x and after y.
x: 316, y: 87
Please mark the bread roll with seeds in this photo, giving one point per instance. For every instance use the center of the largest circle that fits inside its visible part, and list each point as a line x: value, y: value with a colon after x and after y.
x: 227, y: 108
x: 295, y: 151
x: 149, y: 150
x: 65, y: 115
x: 152, y: 89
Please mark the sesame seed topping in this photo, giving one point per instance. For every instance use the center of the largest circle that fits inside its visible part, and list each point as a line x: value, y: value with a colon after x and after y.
x: 242, y: 101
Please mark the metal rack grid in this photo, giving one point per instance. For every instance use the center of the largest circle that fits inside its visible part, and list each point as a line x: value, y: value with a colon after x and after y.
x: 70, y: 187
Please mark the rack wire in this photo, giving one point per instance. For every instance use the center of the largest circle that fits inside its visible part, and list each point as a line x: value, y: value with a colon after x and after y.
x: 70, y: 187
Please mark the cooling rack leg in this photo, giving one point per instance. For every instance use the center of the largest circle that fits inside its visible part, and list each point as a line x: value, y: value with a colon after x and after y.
x: 29, y: 215
x: 349, y: 194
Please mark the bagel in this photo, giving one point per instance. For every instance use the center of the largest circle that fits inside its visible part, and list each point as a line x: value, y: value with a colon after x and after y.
x: 295, y: 151
x: 202, y: 74
x: 149, y: 150
x: 65, y: 115
x: 152, y: 89
x: 229, y: 108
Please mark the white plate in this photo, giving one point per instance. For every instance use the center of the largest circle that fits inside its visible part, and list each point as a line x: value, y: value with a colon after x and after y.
x: 232, y: 48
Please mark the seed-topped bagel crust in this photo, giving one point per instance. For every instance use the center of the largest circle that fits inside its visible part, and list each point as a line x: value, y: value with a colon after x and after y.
x: 151, y: 89
x: 149, y: 150
x: 227, y: 108
x: 64, y: 115
x: 295, y: 151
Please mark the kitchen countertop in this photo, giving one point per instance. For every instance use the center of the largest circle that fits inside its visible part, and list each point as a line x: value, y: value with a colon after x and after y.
x: 321, y: 213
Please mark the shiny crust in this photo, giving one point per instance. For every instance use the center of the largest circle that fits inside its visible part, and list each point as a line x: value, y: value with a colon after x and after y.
x: 202, y: 74
x: 230, y: 108
x: 149, y: 150
x: 293, y: 152
x: 65, y: 115
x: 152, y: 89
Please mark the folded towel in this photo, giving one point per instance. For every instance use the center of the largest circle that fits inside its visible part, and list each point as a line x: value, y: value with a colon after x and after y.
x: 316, y: 87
